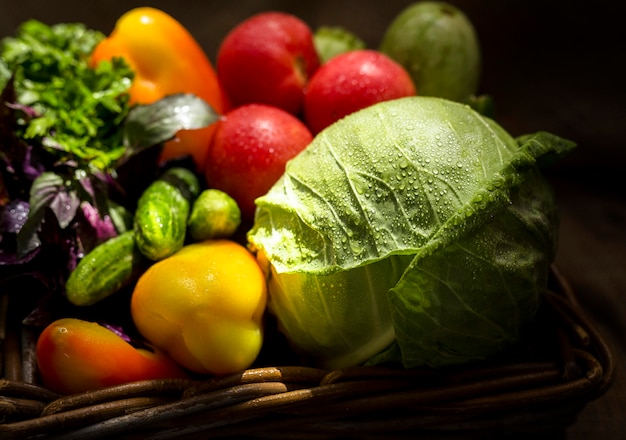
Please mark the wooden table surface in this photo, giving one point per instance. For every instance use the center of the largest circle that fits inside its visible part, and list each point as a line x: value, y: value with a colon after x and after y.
x: 554, y: 66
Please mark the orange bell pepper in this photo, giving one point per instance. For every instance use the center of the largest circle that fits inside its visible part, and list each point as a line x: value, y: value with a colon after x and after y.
x: 166, y: 60
x: 74, y: 355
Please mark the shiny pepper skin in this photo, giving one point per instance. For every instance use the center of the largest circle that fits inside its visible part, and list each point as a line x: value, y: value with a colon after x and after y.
x: 74, y: 356
x: 204, y: 306
x: 166, y: 59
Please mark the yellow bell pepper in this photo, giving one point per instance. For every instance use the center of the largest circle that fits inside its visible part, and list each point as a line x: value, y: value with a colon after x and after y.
x: 204, y: 306
x: 166, y: 59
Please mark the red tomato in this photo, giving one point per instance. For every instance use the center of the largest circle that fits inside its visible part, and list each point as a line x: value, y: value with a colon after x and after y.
x: 351, y: 81
x: 251, y: 146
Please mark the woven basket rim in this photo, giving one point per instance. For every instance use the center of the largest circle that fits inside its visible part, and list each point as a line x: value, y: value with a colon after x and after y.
x: 304, y: 401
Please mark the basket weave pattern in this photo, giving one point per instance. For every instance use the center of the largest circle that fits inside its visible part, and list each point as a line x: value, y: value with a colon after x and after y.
x: 564, y: 364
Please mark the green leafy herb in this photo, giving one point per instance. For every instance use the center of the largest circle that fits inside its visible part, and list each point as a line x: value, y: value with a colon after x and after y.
x: 74, y: 111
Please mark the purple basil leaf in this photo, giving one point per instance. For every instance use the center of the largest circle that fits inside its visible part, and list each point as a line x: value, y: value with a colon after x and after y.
x: 49, y: 190
x: 102, y: 225
x: 32, y: 167
x: 13, y: 217
x: 28, y: 111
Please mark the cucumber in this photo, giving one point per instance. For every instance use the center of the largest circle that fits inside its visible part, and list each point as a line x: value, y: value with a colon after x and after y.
x: 160, y: 220
x: 214, y: 214
x: 107, y: 268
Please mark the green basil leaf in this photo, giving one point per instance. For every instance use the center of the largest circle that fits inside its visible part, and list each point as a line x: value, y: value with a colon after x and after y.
x: 152, y: 124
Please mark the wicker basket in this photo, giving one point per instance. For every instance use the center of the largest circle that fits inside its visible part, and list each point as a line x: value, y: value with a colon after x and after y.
x: 563, y: 365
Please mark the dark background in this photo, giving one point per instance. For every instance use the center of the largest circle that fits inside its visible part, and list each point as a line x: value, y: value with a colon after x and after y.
x: 550, y: 65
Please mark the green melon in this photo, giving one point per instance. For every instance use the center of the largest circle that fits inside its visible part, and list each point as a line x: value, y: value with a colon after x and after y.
x: 438, y: 45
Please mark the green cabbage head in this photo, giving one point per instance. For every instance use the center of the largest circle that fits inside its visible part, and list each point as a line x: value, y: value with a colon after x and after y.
x: 414, y: 231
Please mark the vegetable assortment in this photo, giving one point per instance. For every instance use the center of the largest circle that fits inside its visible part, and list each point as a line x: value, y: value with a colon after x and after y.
x: 165, y: 59
x: 68, y: 131
x: 413, y: 231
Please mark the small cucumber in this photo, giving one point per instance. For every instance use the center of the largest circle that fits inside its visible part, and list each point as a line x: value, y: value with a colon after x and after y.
x: 214, y: 214
x: 160, y: 221
x: 107, y: 268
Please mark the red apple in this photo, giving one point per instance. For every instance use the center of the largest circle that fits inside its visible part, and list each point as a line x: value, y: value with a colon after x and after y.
x: 352, y: 81
x: 268, y: 59
x: 250, y: 148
